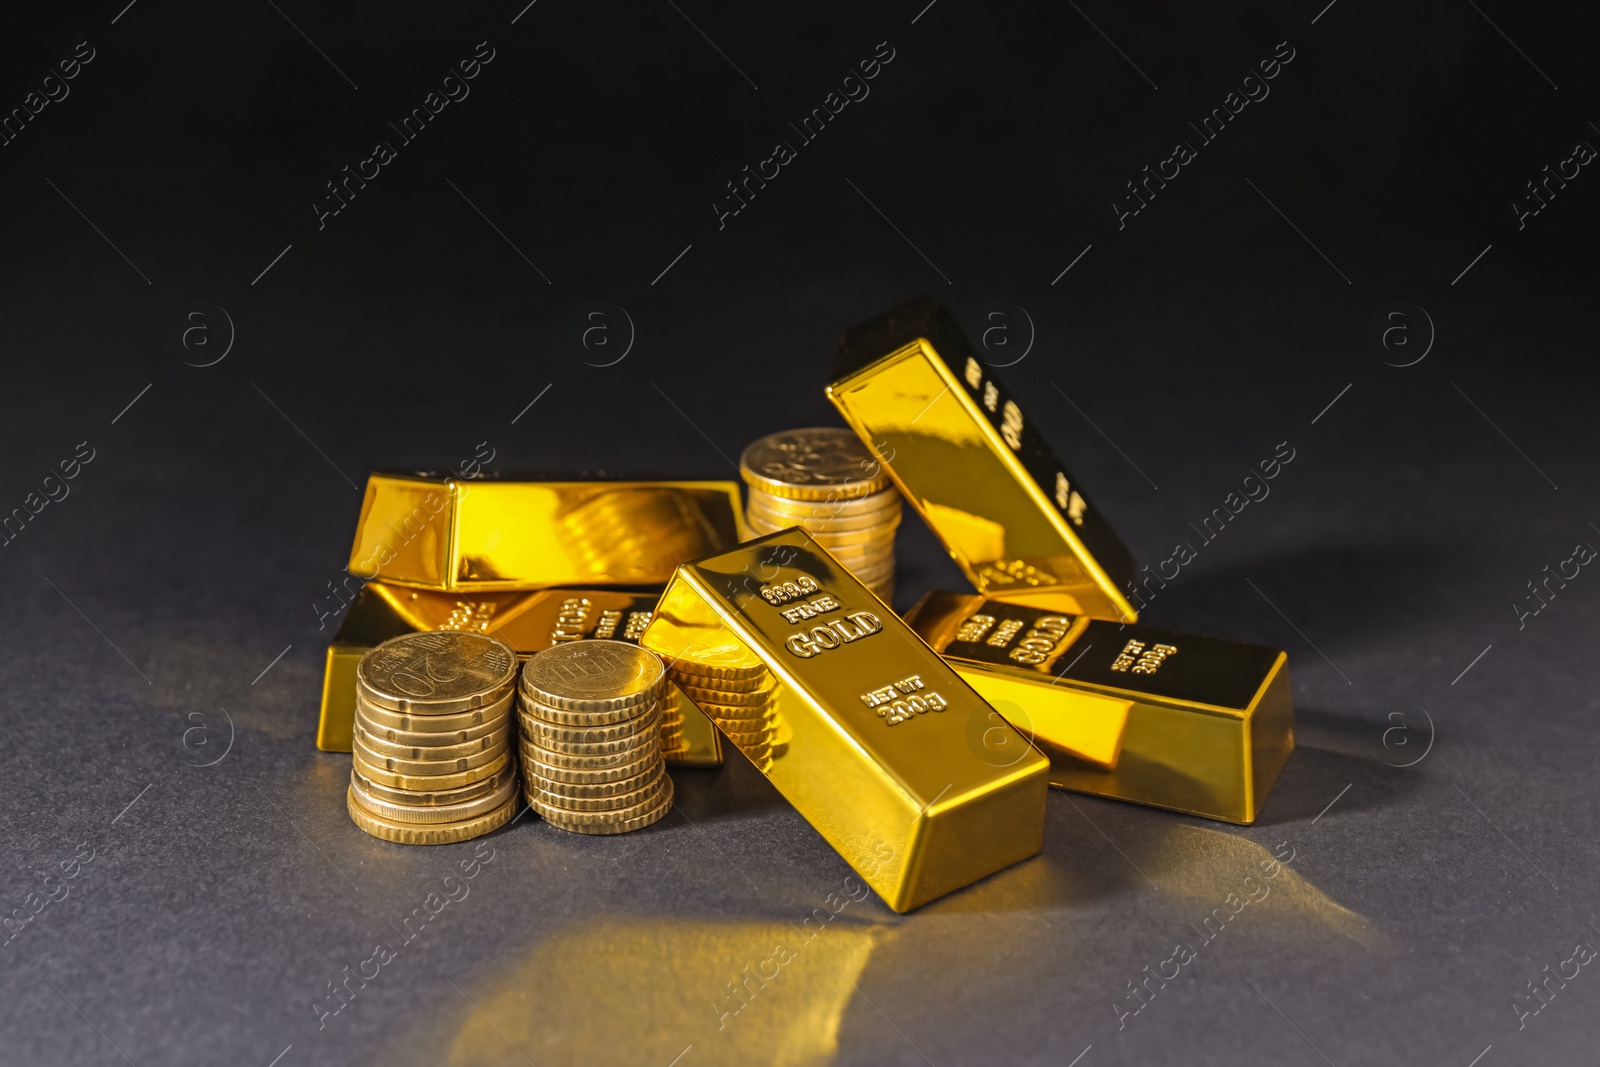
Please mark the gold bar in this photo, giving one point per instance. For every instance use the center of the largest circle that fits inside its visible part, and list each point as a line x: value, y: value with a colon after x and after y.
x: 480, y: 534
x: 900, y: 766
x: 527, y: 621
x: 1209, y: 722
x: 979, y: 473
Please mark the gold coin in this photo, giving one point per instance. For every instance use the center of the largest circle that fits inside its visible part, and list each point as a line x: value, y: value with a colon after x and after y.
x: 835, y: 506
x: 621, y: 801
x: 758, y: 698
x: 591, y: 790
x: 528, y: 704
x: 438, y: 672
x: 737, y: 712
x: 865, y: 537
x: 534, y: 767
x: 812, y: 464
x: 397, y: 765
x: 856, y: 542
x: 413, y: 815
x: 820, y: 524
x: 861, y: 559
x: 874, y: 573
x: 749, y: 741
x: 426, y: 782
x: 608, y: 822
x: 447, y: 833
x: 594, y: 676
x: 876, y: 505
x: 706, y: 677
x: 749, y: 730
x: 545, y: 731
x: 582, y: 760
x: 491, y: 721
x: 377, y: 746
x: 636, y: 742
x: 433, y: 797
x: 455, y: 722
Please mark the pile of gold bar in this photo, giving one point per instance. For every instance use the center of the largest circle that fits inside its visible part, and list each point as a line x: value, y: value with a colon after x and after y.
x: 658, y: 620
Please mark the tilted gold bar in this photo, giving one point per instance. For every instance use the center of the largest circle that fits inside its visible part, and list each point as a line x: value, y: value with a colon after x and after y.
x: 480, y: 534
x: 975, y: 469
x: 527, y: 621
x: 901, y: 767
x: 1209, y: 722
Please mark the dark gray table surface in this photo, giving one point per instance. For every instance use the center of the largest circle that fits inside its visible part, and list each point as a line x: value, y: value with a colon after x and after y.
x: 162, y: 655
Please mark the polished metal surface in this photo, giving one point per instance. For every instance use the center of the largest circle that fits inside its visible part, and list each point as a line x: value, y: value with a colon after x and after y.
x: 905, y: 771
x: 483, y: 534
x: 1179, y: 721
x: 975, y: 469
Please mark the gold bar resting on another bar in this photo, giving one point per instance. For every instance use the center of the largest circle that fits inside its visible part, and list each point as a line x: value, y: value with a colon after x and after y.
x: 527, y: 621
x: 978, y: 472
x: 900, y: 766
x: 478, y: 534
x: 1210, y: 722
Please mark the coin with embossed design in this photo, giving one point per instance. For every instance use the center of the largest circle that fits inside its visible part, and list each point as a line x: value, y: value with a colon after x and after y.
x: 441, y: 672
x: 812, y: 464
x: 594, y: 676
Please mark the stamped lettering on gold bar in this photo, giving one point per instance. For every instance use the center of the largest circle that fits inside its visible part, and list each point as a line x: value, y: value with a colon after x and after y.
x: 1140, y: 660
x: 571, y: 620
x: 900, y: 701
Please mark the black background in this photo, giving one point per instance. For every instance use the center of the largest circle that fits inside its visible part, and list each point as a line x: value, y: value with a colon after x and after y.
x: 1175, y: 354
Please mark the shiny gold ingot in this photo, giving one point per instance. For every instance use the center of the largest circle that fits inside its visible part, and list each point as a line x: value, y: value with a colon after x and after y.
x: 1209, y: 723
x: 453, y: 534
x: 528, y: 621
x: 981, y: 476
x: 885, y: 752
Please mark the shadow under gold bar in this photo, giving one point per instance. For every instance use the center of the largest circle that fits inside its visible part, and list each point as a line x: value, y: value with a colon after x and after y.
x: 1209, y: 723
x: 900, y: 766
x: 527, y: 621
x: 976, y: 470
x: 481, y: 534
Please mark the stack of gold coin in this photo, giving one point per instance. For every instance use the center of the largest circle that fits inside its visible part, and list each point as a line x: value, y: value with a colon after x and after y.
x: 431, y: 752
x: 741, y: 700
x: 590, y: 713
x: 828, y: 482
x: 734, y: 688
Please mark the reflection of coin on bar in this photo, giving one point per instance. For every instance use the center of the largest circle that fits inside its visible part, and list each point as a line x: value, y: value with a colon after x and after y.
x: 440, y: 532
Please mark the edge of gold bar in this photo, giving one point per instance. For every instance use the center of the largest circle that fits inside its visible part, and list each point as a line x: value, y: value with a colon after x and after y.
x: 978, y: 472
x: 527, y: 621
x: 1209, y: 722
x: 897, y: 762
x: 486, y: 533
